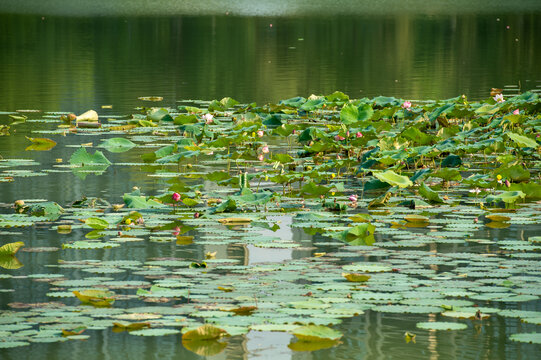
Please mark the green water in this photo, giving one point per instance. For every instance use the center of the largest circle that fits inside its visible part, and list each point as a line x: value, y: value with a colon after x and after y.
x: 55, y: 63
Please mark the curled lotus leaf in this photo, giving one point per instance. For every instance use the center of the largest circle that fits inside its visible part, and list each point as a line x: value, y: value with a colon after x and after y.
x: 441, y: 325
x: 40, y: 144
x: 393, y: 179
x: 530, y: 338
x: 98, y: 298
x: 11, y: 248
x: 204, y: 332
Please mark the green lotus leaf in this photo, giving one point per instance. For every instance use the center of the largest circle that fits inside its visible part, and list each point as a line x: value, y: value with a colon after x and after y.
x: 351, y: 114
x: 522, y: 141
x: 97, y: 223
x: 12, y: 344
x: 117, y: 145
x: 530, y: 338
x: 447, y: 174
x: 205, y: 332
x: 311, y: 333
x: 11, y: 248
x: 429, y: 194
x: 40, y: 144
x: 393, y: 179
x: 508, y: 197
x: 159, y: 114
x: 82, y: 158
x: 90, y: 245
x: 441, y: 325
x: 154, y: 332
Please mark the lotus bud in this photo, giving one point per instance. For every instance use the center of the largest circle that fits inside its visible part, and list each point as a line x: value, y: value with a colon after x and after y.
x: 507, y: 183
x: 176, y: 197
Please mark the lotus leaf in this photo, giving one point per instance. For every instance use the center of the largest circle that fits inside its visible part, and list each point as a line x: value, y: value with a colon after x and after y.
x: 316, y: 333
x: 393, y: 178
x: 441, y: 325
x: 11, y: 248
x: 205, y: 332
x: 40, y: 144
x: 97, y: 298
x: 117, y: 145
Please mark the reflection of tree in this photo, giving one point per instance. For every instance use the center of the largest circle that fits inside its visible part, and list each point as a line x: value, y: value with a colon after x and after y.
x: 79, y: 63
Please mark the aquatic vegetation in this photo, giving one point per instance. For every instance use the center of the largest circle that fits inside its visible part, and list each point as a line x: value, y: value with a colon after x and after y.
x: 391, y: 202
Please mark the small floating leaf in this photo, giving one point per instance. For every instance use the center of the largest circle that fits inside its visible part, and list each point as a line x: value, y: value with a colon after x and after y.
x: 393, y: 179
x: 530, y: 338
x: 354, y: 277
x: 311, y: 333
x: 441, y: 325
x: 97, y: 223
x: 117, y: 145
x: 40, y: 144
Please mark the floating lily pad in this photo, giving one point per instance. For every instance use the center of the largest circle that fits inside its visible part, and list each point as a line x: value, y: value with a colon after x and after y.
x: 441, y: 325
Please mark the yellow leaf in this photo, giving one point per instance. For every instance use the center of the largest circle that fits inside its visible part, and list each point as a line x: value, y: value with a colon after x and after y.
x: 244, y: 310
x: 228, y: 221
x: 353, y: 277
x: 184, y: 240
x: 118, y: 327
x: 498, y: 218
x: 98, y: 298
x: 11, y: 248
x: 205, y: 332
x: 226, y: 289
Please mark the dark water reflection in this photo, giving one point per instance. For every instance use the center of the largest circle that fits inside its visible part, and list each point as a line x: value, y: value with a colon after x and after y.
x: 72, y: 64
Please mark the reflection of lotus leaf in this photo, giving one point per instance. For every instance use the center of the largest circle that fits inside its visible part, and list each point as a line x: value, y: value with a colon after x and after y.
x: 204, y: 347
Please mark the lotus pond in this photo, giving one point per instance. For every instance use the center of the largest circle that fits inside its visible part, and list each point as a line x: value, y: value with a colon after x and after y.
x: 320, y: 227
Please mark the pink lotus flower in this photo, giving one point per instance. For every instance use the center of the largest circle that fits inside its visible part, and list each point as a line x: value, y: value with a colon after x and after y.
x: 176, y: 232
x: 208, y: 118
x: 176, y: 197
x: 339, y: 138
x: 359, y: 134
x: 347, y: 133
x: 260, y: 133
x: 516, y: 112
x: 260, y: 157
x: 353, y: 198
x: 265, y: 149
x: 406, y: 105
x: 499, y: 98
